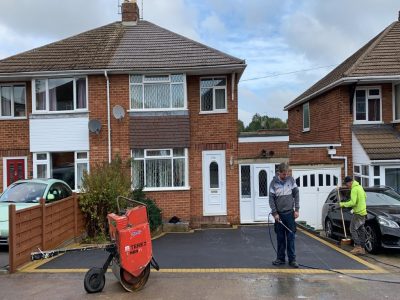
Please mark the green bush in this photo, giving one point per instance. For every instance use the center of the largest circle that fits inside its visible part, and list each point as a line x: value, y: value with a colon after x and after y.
x: 153, y: 210
x: 100, y: 189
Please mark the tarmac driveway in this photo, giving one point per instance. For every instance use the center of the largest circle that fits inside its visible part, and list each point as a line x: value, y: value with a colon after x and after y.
x: 247, y: 248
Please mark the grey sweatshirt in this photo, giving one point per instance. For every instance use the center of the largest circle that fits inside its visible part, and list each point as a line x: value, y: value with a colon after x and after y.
x: 283, y: 195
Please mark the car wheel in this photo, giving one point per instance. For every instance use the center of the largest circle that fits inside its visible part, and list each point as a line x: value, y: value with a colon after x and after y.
x: 329, y: 229
x: 372, y: 243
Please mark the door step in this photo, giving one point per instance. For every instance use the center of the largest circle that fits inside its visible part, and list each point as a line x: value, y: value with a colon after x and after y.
x: 215, y: 226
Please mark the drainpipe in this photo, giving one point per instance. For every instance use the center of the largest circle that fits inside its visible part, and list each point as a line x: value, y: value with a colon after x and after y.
x: 345, y: 162
x: 108, y: 116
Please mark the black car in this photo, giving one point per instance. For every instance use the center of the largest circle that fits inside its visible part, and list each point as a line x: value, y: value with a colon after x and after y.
x: 382, y: 222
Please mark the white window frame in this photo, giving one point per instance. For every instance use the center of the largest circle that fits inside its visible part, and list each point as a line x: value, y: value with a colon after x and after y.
x: 214, y: 110
x: 12, y: 117
x: 159, y: 189
x: 37, y: 162
x: 306, y: 129
x: 5, y: 168
x: 47, y: 110
x: 362, y: 175
x: 394, y: 102
x: 367, y: 97
x: 80, y: 161
x: 153, y: 82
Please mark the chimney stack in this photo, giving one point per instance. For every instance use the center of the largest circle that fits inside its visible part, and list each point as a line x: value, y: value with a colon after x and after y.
x: 130, y: 12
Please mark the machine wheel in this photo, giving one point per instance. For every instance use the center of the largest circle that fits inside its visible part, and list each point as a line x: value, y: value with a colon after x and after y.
x: 94, y: 280
x: 329, y: 229
x: 132, y: 283
x: 372, y: 243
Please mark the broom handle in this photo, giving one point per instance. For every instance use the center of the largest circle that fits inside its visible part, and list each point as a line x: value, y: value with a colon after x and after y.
x: 341, y: 213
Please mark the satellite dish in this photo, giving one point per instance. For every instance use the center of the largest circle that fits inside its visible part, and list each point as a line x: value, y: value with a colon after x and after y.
x: 118, y: 112
x: 94, y: 126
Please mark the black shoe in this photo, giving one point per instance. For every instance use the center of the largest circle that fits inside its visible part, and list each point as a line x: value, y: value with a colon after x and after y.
x: 278, y: 262
x: 294, y: 264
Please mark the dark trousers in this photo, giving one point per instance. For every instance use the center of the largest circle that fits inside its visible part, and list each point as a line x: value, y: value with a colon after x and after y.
x: 285, y: 238
x: 357, y: 230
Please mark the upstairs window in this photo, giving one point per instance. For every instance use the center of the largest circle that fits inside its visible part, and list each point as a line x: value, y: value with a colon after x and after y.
x: 368, y: 105
x: 157, y: 92
x: 12, y: 101
x: 396, y: 102
x: 306, y: 116
x: 59, y: 94
x: 213, y: 94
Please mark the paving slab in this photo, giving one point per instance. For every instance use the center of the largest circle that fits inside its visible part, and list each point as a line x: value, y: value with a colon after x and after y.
x: 246, y: 247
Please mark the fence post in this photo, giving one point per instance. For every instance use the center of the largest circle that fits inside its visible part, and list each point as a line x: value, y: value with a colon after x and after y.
x: 43, y: 206
x: 12, y: 239
x: 75, y: 215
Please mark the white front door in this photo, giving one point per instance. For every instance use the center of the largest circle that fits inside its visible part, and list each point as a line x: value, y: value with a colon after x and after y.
x: 214, y: 183
x: 263, y: 175
x: 314, y: 187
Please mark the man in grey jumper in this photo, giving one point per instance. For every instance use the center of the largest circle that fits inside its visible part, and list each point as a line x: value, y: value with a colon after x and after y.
x: 284, y: 203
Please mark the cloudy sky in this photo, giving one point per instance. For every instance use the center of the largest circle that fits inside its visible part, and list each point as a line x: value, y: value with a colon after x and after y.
x: 287, y: 44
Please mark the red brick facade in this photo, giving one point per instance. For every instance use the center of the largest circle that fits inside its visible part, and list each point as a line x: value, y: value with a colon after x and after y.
x: 254, y: 150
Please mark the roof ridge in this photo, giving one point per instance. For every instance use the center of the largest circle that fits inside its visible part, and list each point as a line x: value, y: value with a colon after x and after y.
x: 198, y: 43
x: 378, y: 38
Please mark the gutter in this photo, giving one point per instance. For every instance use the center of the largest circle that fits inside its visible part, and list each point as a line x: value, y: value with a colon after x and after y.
x: 342, y: 81
x: 108, y: 116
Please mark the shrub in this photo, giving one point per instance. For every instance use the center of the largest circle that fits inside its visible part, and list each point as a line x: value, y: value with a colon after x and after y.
x: 153, y: 210
x: 100, y: 189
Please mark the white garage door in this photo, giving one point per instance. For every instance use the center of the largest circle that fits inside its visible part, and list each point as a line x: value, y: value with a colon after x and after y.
x: 314, y: 186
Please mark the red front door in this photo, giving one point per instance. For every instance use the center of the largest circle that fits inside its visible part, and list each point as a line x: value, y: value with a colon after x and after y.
x: 15, y: 170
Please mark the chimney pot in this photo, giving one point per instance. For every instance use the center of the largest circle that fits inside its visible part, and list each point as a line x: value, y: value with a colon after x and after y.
x: 130, y: 12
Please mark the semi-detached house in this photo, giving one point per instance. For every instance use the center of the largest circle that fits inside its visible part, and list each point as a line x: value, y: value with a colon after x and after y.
x: 348, y: 124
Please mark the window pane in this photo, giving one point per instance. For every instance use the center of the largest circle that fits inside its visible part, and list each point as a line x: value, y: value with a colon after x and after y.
x: 328, y: 179
x: 245, y: 181
x: 335, y: 180
x: 356, y: 169
x: 374, y: 92
x: 81, y: 155
x: 397, y: 101
x: 306, y: 116
x: 177, y: 78
x: 206, y: 99
x: 219, y: 82
x: 41, y: 171
x: 158, y: 173
x: 5, y: 101
x: 374, y: 110
x: 376, y: 170
x: 298, y: 181
x: 156, y: 96
x: 377, y: 181
x: 214, y: 177
x: 392, y: 178
x: 19, y: 101
x: 312, y: 180
x: 262, y: 184
x: 206, y: 83
x: 179, y: 152
x: 305, y: 182
x: 61, y: 94
x: 360, y: 105
x: 177, y: 94
x: 219, y: 99
x: 137, y: 96
x: 81, y: 169
x: 63, y: 167
x: 365, y: 182
x: 365, y: 170
x: 179, y: 172
x: 136, y: 78
x: 41, y: 156
x: 138, y: 153
x: 155, y: 78
x: 320, y: 179
x: 138, y: 173
x: 158, y: 153
x: 40, y: 88
x: 81, y: 93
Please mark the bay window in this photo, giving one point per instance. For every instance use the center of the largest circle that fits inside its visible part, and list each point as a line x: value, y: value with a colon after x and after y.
x: 160, y: 168
x: 367, y: 104
x: 59, y: 94
x: 213, y: 94
x: 12, y: 101
x: 157, y: 92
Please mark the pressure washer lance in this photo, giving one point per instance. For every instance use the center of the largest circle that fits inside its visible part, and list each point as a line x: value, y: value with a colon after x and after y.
x: 346, y: 240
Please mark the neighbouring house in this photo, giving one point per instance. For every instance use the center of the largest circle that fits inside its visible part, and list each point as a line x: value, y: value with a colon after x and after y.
x: 348, y: 123
x: 259, y: 155
x: 133, y: 89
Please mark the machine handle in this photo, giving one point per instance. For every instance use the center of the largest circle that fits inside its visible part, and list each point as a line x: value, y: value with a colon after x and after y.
x: 129, y: 200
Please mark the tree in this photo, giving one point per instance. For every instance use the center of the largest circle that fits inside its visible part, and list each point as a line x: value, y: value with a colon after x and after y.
x: 240, y: 126
x: 263, y: 122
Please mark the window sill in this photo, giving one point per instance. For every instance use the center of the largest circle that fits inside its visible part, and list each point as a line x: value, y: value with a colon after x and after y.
x: 61, y: 112
x: 395, y: 121
x: 157, y: 109
x: 367, y: 122
x: 306, y: 130
x: 213, y: 112
x: 12, y: 118
x: 167, y: 189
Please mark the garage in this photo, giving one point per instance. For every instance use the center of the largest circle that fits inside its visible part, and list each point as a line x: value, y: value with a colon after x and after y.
x: 314, y: 185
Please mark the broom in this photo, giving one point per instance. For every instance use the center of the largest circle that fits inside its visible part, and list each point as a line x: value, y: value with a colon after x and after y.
x: 345, y: 241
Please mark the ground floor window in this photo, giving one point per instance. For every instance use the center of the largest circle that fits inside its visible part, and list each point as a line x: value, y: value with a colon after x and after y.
x: 160, y: 168
x: 392, y: 178
x: 66, y: 166
x: 361, y: 174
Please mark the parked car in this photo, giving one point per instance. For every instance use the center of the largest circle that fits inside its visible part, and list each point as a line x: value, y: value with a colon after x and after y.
x: 383, y: 217
x: 27, y: 193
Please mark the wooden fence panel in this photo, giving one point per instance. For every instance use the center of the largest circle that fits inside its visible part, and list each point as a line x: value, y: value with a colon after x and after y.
x: 45, y: 226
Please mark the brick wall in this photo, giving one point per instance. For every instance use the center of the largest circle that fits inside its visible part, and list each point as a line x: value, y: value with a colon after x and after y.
x: 253, y: 150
